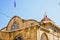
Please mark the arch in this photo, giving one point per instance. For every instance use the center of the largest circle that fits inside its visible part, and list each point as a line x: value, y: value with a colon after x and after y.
x: 44, y: 36
x: 19, y: 38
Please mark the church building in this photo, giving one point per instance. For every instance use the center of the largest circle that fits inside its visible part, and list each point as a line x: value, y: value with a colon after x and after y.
x: 21, y: 29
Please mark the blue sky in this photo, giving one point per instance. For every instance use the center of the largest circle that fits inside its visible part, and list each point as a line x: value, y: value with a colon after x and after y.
x: 29, y: 9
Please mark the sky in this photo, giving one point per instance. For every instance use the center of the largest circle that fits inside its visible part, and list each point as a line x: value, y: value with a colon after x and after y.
x: 29, y: 9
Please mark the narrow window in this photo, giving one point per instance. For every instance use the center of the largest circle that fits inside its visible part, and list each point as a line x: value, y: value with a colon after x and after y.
x: 15, y: 26
x: 32, y: 24
x: 54, y: 30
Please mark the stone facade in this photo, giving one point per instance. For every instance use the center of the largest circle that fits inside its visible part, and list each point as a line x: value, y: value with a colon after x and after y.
x: 20, y: 29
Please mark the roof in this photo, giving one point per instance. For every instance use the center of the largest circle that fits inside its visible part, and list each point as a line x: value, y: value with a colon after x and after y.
x: 46, y: 18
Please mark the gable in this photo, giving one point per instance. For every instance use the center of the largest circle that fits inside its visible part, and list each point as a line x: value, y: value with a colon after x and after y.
x: 18, y: 21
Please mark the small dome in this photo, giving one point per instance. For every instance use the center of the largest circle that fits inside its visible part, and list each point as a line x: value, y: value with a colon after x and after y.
x: 45, y: 18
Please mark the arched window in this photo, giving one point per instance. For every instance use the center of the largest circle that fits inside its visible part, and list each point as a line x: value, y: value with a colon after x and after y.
x: 44, y: 37
x: 32, y: 24
x: 19, y: 38
x: 15, y: 26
